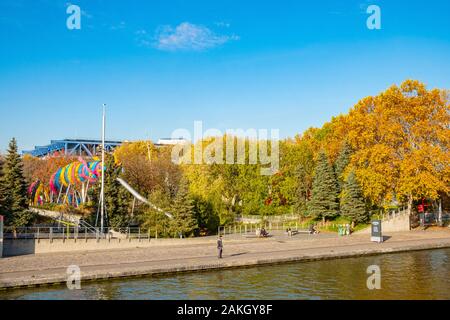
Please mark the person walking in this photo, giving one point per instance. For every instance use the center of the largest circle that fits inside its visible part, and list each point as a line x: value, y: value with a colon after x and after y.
x: 220, y: 246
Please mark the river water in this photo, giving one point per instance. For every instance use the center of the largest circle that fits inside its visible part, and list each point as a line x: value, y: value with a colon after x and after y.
x: 413, y: 275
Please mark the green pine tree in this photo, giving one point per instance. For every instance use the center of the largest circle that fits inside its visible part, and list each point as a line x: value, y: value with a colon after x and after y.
x: 352, y: 201
x: 13, y: 190
x: 182, y: 209
x: 207, y: 219
x: 341, y: 164
x: 324, y: 199
x: 2, y: 192
x: 117, y: 199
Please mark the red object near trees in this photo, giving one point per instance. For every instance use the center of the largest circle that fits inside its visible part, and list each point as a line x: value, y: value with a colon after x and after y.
x: 423, y: 206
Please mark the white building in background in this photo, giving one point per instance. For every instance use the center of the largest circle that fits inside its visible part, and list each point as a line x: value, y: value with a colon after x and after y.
x: 170, y: 141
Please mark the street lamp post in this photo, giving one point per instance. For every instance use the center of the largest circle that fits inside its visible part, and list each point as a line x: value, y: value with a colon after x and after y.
x: 102, y: 195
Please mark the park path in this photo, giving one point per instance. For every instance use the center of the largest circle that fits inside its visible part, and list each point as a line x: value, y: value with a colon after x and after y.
x: 52, y: 267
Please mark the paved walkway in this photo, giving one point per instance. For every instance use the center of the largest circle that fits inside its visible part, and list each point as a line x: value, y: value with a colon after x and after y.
x: 51, y: 268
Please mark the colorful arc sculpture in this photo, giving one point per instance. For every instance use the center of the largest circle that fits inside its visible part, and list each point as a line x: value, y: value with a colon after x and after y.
x: 75, y: 173
x: 72, y: 180
x: 38, y: 193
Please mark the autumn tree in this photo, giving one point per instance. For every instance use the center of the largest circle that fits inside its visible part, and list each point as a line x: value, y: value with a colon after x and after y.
x: 135, y: 158
x: 42, y: 169
x: 304, y: 175
x: 146, y: 167
x: 31, y: 167
x: 153, y: 219
x: 401, y: 140
x: 209, y: 186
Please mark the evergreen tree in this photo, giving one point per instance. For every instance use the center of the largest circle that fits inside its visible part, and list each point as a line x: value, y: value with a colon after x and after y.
x: 2, y: 193
x: 352, y: 201
x: 116, y: 197
x: 2, y: 190
x: 302, y: 190
x: 13, y: 190
x: 341, y: 164
x: 182, y: 209
x: 207, y: 219
x: 324, y: 199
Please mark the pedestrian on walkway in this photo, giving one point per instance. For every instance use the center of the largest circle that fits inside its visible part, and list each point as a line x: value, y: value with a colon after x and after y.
x: 220, y: 246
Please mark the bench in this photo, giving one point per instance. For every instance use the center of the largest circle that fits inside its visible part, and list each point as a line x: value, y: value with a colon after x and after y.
x: 300, y: 231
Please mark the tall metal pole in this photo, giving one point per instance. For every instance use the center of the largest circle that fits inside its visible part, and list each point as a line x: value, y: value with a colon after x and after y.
x: 149, y: 152
x: 102, y: 196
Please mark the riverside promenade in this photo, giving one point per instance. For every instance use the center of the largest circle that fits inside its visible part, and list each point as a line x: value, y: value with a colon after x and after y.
x: 201, y: 254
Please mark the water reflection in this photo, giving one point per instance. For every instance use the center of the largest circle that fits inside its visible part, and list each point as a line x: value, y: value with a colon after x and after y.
x: 415, y: 275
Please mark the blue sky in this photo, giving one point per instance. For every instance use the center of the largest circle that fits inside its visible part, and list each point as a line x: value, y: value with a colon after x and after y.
x: 160, y: 65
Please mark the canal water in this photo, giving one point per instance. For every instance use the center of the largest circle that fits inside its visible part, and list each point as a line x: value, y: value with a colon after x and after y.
x: 413, y: 275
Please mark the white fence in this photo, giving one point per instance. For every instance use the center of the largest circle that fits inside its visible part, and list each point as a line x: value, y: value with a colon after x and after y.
x: 249, y: 228
x: 255, y: 219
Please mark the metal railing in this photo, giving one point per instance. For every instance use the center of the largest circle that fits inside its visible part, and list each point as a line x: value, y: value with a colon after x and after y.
x: 430, y: 218
x: 85, y: 233
x: 61, y: 232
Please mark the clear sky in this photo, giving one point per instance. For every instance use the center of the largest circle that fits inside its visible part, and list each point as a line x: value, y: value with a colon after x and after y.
x: 161, y: 64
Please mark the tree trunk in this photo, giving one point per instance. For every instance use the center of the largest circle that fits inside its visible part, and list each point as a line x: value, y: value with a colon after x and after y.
x: 410, y: 203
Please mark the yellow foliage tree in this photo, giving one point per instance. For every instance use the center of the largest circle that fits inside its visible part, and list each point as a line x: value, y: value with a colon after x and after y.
x: 401, y: 141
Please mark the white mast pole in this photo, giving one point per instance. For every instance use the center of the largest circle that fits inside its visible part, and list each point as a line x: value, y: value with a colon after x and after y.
x: 149, y: 152
x: 102, y: 196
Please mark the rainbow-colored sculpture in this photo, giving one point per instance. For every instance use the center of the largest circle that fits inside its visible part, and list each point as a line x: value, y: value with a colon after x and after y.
x: 69, y: 184
x: 76, y: 173
x: 38, y: 193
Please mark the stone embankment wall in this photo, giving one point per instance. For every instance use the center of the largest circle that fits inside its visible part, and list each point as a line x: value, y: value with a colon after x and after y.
x: 398, y: 223
x: 18, y: 247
